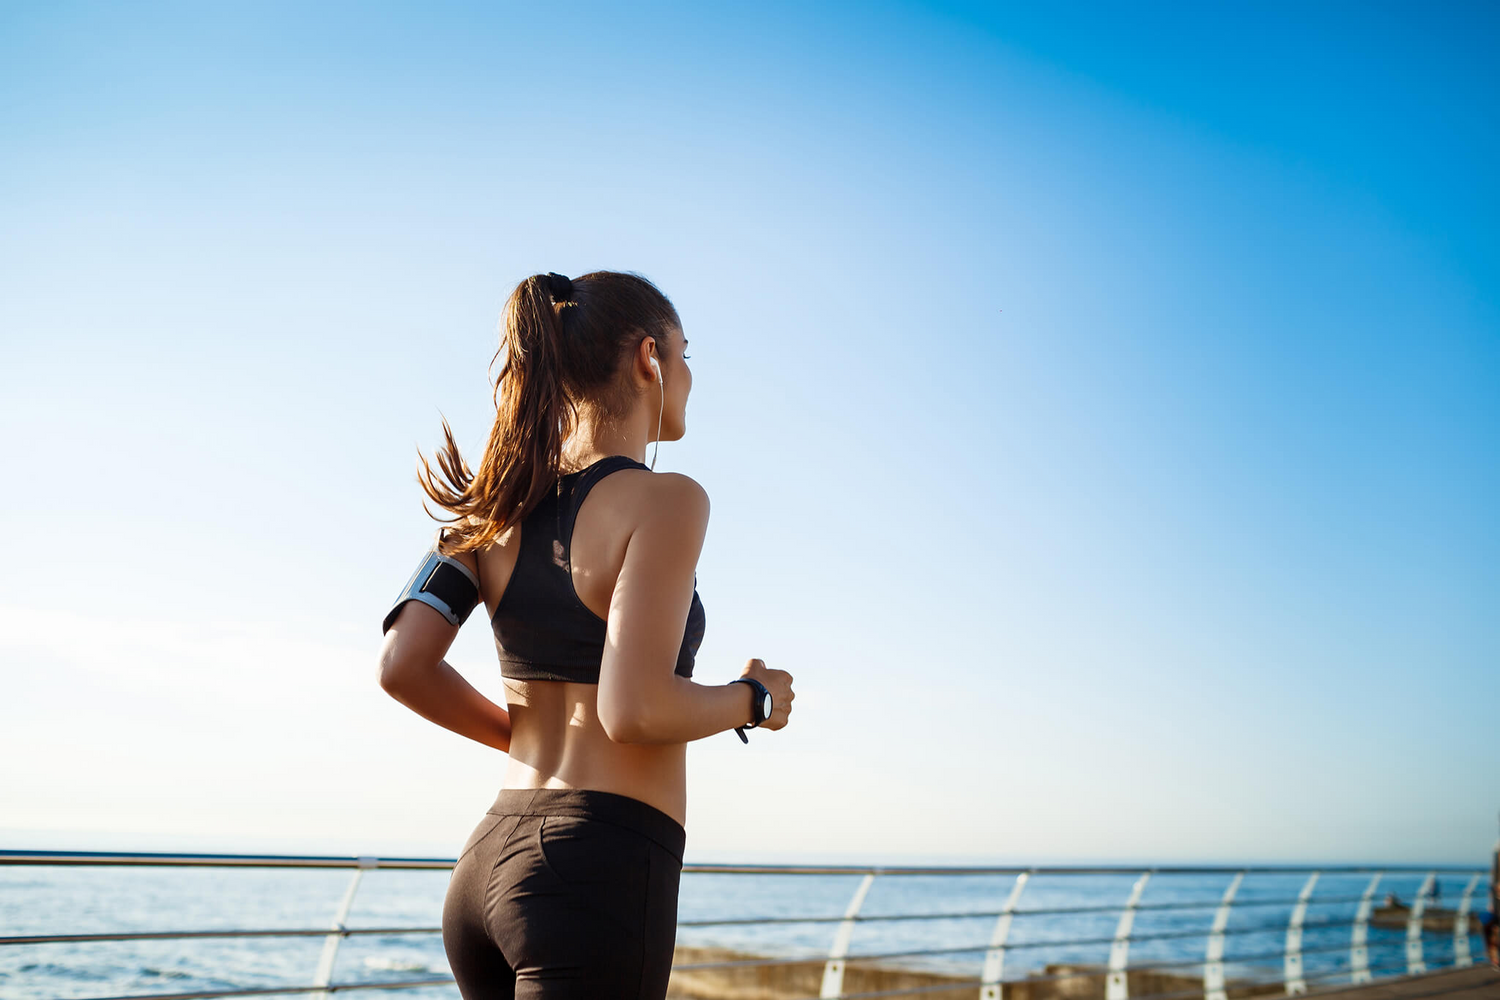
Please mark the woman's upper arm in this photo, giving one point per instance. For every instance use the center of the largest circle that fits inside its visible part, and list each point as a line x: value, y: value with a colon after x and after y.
x: 419, y: 637
x: 649, y: 608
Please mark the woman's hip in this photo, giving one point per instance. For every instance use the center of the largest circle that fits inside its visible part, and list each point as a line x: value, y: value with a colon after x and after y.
x: 556, y: 809
x: 573, y: 884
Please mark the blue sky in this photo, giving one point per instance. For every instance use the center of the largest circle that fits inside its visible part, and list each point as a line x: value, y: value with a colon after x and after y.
x: 1098, y: 405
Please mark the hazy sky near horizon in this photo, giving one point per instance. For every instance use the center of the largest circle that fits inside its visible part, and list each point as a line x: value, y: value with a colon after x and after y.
x: 1100, y: 408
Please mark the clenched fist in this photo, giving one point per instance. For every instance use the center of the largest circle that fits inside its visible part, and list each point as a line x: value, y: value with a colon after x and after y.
x: 779, y: 683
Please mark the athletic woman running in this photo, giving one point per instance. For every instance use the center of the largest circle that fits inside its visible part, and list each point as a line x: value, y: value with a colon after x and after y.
x: 585, y: 561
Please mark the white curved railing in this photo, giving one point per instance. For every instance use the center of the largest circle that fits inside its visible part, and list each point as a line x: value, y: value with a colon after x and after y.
x: 989, y: 984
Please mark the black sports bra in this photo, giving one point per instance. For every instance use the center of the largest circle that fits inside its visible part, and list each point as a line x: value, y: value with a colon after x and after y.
x: 542, y: 629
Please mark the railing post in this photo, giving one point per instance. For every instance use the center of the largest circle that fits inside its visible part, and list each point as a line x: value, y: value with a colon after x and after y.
x: 1295, y: 983
x: 1461, y: 957
x: 833, y: 970
x: 1213, y: 969
x: 1117, y: 986
x: 994, y: 958
x: 1359, y: 953
x: 1414, y: 964
x: 331, y: 942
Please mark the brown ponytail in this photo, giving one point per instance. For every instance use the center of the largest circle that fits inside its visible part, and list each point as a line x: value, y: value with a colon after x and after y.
x: 562, y: 355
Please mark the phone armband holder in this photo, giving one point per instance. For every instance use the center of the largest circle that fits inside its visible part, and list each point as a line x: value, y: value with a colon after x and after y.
x: 442, y: 583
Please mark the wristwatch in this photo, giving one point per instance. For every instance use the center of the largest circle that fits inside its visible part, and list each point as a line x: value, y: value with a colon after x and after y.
x: 760, y: 708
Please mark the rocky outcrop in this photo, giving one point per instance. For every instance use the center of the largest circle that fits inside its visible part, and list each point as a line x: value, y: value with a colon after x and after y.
x: 804, y: 978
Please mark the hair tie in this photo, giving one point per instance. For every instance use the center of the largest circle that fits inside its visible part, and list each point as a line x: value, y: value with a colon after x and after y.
x: 560, y: 285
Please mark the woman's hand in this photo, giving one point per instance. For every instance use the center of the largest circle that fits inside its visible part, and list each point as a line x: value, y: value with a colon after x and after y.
x: 779, y: 683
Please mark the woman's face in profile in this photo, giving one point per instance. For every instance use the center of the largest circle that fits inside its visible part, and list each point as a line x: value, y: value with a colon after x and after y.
x: 679, y: 382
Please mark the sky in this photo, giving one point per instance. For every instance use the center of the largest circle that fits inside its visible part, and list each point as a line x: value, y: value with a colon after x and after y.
x: 1099, y: 406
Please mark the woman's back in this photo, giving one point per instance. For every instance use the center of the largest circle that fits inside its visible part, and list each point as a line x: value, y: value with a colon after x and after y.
x: 567, y: 886
x: 543, y: 630
x: 557, y: 737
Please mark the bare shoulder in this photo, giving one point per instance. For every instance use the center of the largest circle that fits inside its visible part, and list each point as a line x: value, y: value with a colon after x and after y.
x: 648, y: 494
x: 668, y: 508
x: 681, y: 495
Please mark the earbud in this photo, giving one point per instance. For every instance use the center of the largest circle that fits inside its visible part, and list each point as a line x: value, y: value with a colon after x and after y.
x: 655, y: 367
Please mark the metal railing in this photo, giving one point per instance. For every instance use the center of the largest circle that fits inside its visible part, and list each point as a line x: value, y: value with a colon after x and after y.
x: 989, y: 985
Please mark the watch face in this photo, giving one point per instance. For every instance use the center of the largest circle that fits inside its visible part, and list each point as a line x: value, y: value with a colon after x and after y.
x: 765, y: 706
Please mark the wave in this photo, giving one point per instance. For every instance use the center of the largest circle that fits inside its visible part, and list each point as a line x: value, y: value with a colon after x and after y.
x: 388, y: 964
x: 149, y: 970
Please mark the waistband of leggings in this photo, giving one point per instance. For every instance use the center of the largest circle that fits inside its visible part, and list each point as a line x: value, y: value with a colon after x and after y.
x: 595, y: 803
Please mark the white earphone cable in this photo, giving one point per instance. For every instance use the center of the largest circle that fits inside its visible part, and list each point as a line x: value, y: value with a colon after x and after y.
x: 657, y: 444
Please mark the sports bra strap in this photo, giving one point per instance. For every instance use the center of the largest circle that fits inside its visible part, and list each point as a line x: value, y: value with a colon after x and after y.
x: 543, y: 631
x: 591, y: 475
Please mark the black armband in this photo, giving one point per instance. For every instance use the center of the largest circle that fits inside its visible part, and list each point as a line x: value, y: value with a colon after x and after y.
x: 440, y: 582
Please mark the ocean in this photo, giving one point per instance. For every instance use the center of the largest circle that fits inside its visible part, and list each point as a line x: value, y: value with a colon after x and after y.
x: 92, y: 899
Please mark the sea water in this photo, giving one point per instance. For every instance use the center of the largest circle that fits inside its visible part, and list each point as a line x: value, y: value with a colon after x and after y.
x: 89, y: 899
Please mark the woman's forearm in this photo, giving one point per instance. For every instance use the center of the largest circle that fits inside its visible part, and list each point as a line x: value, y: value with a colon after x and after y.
x: 441, y: 695
x: 691, y: 711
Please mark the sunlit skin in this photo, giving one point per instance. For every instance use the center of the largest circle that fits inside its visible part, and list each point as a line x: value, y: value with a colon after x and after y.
x: 553, y: 730
x: 557, y: 740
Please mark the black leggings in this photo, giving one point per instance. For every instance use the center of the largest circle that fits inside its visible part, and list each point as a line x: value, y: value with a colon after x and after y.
x: 565, y: 892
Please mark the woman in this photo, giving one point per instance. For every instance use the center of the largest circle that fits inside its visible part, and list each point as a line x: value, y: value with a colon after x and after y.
x: 1490, y: 924
x: 584, y: 558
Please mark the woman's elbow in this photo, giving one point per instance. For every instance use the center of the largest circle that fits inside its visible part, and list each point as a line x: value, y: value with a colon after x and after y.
x: 623, y: 723
x: 626, y: 729
x: 393, y: 672
x: 387, y: 678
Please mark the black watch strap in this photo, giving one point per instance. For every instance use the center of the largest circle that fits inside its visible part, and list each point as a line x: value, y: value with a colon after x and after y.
x: 756, y: 708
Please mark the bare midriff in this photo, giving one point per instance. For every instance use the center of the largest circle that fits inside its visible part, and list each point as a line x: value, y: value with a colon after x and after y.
x: 557, y: 740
